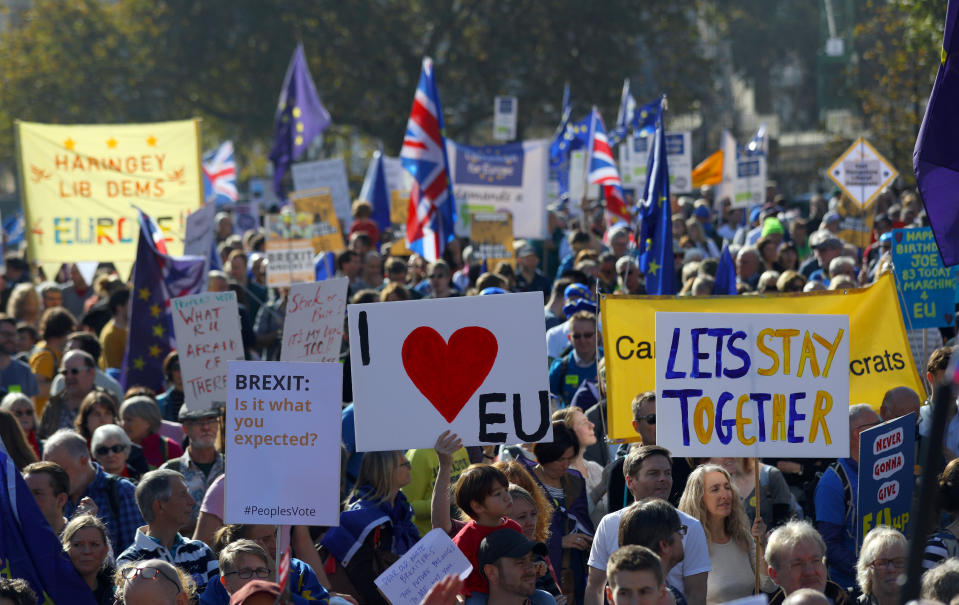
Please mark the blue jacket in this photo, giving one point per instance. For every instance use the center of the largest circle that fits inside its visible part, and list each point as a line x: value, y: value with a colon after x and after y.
x: 837, y: 522
x: 304, y: 587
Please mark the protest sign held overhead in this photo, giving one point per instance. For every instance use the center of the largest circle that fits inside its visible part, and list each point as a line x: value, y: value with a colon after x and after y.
x: 246, y: 216
x: 861, y: 172
x: 473, y: 365
x: 325, y: 234
x: 855, y: 222
x: 741, y: 385
x: 878, y: 359
x: 887, y: 455
x: 283, y: 425
x: 313, y: 325
x: 926, y: 288
x: 492, y: 237
x: 634, y: 156
x: 289, y: 249
x: 433, y: 558
x: 80, y: 182
x: 329, y: 174
x: 207, y: 328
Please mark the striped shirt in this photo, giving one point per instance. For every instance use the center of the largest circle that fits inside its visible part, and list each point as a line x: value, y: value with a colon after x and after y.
x: 192, y: 556
x: 939, y: 547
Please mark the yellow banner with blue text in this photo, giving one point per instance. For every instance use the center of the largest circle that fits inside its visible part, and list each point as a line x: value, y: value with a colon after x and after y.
x: 879, y: 353
x: 80, y: 183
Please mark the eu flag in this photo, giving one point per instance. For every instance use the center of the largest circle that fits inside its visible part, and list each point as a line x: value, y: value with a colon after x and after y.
x: 157, y: 278
x: 28, y: 547
x: 300, y: 118
x: 377, y: 192
x: 936, y: 156
x: 725, y: 274
x: 656, y: 235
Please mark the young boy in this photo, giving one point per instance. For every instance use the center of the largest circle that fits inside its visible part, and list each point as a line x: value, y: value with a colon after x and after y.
x: 482, y: 493
x: 635, y: 577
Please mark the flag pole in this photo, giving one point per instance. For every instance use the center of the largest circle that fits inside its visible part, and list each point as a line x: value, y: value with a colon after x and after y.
x: 758, y: 511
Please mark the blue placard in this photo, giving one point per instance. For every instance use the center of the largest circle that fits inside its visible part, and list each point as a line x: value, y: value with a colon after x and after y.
x: 887, y: 457
x: 927, y: 289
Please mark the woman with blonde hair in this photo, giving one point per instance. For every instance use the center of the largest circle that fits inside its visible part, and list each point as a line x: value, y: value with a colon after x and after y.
x: 518, y: 475
x: 711, y: 498
x: 87, y: 543
x: 153, y: 580
x: 576, y: 421
x: 24, y: 304
x: 881, y: 564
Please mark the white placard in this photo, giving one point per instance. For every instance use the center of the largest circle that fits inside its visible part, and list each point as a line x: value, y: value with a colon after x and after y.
x: 327, y: 173
x: 862, y: 172
x: 397, y: 178
x: 283, y: 442
x: 577, y: 177
x: 199, y: 231
x: 246, y: 217
x: 505, y: 111
x: 501, y: 178
x: 434, y: 557
x: 313, y: 326
x: 465, y: 364
x: 634, y: 156
x: 749, y: 188
x: 748, y: 385
x: 207, y: 330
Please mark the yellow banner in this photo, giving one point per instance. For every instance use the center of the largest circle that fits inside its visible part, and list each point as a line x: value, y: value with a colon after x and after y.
x: 879, y: 354
x: 80, y: 183
x: 325, y: 233
x: 492, y: 237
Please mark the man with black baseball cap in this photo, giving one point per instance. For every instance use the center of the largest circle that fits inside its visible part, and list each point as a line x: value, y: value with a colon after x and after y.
x: 505, y: 557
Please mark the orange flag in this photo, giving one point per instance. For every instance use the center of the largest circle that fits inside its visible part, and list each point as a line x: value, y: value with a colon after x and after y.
x: 709, y: 171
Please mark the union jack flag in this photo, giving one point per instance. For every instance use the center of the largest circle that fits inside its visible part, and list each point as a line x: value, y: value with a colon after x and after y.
x: 219, y: 175
x: 431, y: 208
x: 602, y: 167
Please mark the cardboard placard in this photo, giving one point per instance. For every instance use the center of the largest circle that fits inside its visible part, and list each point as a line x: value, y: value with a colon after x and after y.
x: 207, y: 329
x: 199, y: 231
x: 887, y: 458
x: 434, y: 557
x: 855, y: 222
x: 474, y: 365
x: 289, y: 249
x: 926, y: 288
x: 326, y: 173
x: 325, y: 234
x: 313, y: 325
x: 748, y: 385
x: 282, y: 427
x: 491, y: 235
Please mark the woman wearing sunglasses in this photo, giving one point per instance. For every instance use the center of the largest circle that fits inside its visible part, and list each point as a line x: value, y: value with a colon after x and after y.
x: 111, y: 448
x: 153, y: 582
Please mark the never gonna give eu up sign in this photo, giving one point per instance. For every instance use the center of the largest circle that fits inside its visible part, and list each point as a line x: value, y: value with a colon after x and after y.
x: 742, y: 385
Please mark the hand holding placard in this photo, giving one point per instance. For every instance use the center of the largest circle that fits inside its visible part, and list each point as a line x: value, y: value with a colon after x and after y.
x: 428, y: 562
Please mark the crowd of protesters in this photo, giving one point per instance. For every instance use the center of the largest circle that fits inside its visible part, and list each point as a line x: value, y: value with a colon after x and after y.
x: 132, y: 481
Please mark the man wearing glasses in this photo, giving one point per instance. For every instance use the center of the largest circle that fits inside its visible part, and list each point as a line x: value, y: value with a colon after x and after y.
x: 200, y: 464
x: 648, y: 471
x: 167, y: 507
x: 568, y: 372
x: 79, y: 372
x: 836, y: 499
x: 796, y: 556
x: 154, y: 581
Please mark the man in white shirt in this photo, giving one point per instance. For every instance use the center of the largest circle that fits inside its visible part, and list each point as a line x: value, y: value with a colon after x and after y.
x: 648, y: 472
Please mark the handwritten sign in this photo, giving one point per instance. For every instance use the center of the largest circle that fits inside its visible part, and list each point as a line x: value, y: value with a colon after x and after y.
x: 313, y: 326
x: 289, y: 249
x: 283, y: 425
x: 492, y: 237
x: 887, y: 455
x: 474, y: 365
x: 207, y: 329
x: 430, y: 560
x: 926, y: 288
x: 743, y: 385
x: 325, y: 233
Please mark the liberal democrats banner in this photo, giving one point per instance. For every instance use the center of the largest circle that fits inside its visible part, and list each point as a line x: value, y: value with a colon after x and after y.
x: 80, y: 183
x: 501, y: 178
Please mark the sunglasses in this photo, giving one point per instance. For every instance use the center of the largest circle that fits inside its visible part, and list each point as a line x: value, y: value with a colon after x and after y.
x: 103, y: 450
x: 72, y: 371
x: 246, y: 573
x: 148, y: 573
x: 649, y: 418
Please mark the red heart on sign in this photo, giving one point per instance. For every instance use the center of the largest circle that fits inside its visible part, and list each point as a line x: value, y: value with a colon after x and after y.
x: 449, y: 374
x: 898, y: 236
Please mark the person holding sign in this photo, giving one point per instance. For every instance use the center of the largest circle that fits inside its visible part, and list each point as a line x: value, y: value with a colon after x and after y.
x: 711, y: 498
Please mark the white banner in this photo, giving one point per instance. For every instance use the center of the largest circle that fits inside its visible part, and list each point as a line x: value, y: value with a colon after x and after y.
x: 313, y: 326
x: 199, y: 232
x: 634, y: 155
x: 750, y: 186
x: 283, y: 441
x: 501, y: 178
x: 327, y: 173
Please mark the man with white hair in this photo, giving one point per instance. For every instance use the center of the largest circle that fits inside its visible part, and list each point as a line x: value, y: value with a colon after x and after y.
x: 748, y: 265
x: 836, y: 501
x: 796, y: 557
x: 167, y: 506
x: 113, y: 496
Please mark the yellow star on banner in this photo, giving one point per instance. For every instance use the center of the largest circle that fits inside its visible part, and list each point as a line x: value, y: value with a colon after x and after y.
x: 299, y: 126
x: 152, y: 141
x: 154, y: 351
x: 296, y: 112
x: 69, y: 144
x: 144, y: 293
x: 158, y: 330
x: 298, y: 140
x: 111, y: 143
x: 653, y: 267
x: 138, y: 363
x: 155, y: 310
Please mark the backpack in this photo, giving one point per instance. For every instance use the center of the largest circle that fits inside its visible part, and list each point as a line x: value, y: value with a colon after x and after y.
x: 848, y: 498
x: 795, y: 511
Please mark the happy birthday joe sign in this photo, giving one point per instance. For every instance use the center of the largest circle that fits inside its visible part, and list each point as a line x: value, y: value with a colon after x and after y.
x: 742, y: 385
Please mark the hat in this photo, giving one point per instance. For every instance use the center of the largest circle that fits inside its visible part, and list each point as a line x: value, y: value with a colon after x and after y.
x: 701, y: 212
x: 187, y: 414
x: 491, y: 290
x: 525, y: 250
x: 754, y: 214
x: 886, y: 238
x: 831, y: 216
x: 772, y: 225
x: 823, y: 238
x: 253, y: 588
x: 692, y: 255
x: 577, y: 291
x: 507, y: 543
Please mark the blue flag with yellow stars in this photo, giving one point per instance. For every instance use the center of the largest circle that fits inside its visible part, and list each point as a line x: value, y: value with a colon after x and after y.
x: 300, y: 118
x: 157, y: 279
x: 656, y: 234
